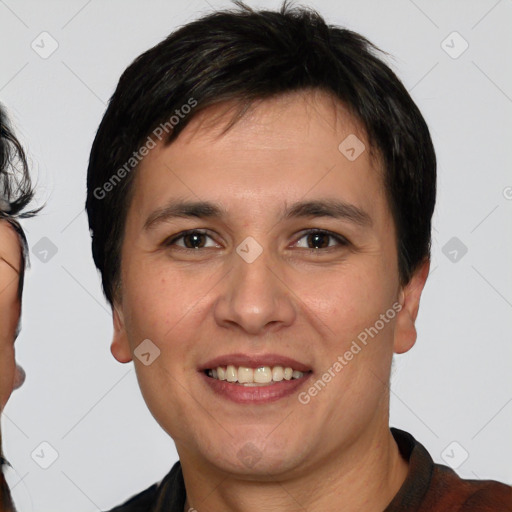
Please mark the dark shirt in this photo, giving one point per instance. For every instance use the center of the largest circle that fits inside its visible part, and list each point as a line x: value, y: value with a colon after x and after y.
x: 428, y: 487
x: 6, y: 504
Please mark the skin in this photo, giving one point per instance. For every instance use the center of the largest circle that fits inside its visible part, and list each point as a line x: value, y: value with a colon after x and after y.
x: 11, y: 375
x: 200, y: 304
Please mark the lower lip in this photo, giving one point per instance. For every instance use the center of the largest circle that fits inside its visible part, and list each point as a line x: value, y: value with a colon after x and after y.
x: 255, y: 394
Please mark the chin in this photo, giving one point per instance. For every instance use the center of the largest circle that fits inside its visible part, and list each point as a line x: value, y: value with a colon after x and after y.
x: 255, y: 457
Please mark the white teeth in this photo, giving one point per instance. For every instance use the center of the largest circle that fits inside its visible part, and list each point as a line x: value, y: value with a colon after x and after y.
x: 263, y: 374
x: 254, y: 376
x: 231, y: 373
x: 277, y: 373
x: 245, y: 374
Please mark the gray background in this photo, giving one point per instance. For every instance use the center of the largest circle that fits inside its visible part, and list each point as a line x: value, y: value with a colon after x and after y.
x: 455, y: 386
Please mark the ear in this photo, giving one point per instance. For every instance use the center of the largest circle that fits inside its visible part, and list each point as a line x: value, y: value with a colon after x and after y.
x: 120, y: 347
x: 405, y: 330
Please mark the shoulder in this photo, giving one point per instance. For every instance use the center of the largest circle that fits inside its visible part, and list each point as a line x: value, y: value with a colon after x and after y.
x: 489, y: 495
x: 141, y: 502
x: 435, y: 487
x: 169, y: 494
x: 469, y: 495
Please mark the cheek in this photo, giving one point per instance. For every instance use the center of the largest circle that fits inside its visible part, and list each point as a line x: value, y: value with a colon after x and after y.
x: 7, y: 369
x: 166, y: 308
x: 359, y: 342
x: 164, y: 294
x: 153, y: 302
x: 350, y: 299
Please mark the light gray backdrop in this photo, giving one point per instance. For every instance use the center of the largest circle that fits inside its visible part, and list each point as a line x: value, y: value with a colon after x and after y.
x: 60, y: 62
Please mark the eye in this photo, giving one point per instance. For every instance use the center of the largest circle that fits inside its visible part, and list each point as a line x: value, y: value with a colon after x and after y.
x: 192, y: 239
x: 320, y: 239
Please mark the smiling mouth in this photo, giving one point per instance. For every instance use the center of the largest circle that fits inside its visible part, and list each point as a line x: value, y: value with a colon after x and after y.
x: 253, y: 377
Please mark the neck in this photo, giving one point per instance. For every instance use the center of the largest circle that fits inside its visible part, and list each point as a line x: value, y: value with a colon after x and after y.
x: 365, y: 477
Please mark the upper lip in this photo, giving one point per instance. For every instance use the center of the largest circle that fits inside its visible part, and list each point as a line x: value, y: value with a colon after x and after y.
x: 254, y: 361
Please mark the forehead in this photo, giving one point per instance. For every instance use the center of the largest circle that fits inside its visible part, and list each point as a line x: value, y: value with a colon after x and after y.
x: 277, y: 124
x: 281, y: 150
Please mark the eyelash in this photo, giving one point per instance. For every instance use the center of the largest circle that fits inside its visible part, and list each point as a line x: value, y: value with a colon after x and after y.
x: 342, y: 241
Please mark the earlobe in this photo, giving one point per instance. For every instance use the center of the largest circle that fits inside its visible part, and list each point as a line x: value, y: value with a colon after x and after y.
x: 409, y: 299
x: 120, y: 346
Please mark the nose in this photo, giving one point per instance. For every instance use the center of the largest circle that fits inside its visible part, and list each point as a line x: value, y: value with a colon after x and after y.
x: 255, y: 295
x: 19, y: 377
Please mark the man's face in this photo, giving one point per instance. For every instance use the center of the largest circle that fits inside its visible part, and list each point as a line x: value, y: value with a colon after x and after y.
x: 256, y: 289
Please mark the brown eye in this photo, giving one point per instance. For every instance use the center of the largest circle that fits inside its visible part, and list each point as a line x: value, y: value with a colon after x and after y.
x: 320, y: 239
x: 193, y: 239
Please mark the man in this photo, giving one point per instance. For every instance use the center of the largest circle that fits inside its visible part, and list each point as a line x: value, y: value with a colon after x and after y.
x: 16, y: 193
x: 260, y: 194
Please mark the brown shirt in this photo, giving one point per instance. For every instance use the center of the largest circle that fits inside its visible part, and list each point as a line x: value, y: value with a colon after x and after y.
x: 428, y: 487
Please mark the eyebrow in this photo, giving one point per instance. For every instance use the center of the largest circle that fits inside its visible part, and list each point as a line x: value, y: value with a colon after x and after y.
x: 333, y: 208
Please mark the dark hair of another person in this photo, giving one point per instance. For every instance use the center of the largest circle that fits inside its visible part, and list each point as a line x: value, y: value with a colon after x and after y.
x: 241, y: 56
x: 16, y: 190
